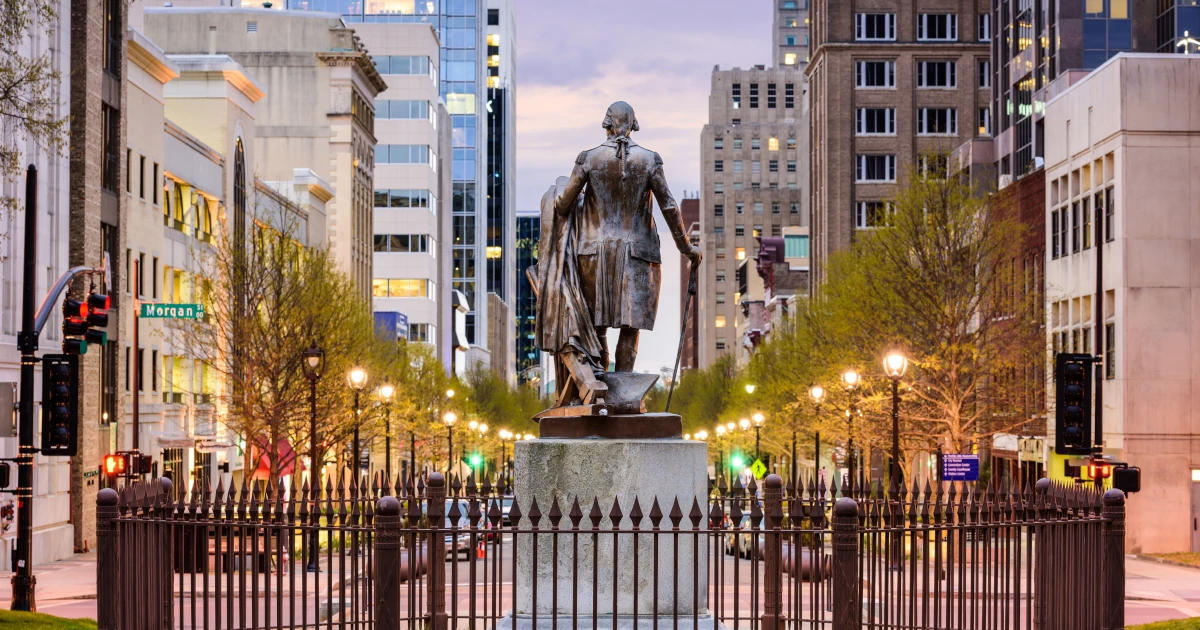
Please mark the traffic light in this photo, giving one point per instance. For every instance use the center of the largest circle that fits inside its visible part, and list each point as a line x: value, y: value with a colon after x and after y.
x: 60, y: 404
x: 737, y: 462
x: 97, y: 317
x: 1073, y: 408
x: 1099, y: 470
x: 476, y: 460
x: 114, y: 465
x: 1127, y: 478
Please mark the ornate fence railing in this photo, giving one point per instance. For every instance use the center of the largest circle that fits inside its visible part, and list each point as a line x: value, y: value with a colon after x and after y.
x: 392, y: 554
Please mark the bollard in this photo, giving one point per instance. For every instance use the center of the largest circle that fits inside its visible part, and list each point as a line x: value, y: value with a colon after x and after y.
x: 107, y: 540
x: 773, y: 617
x: 436, y: 507
x: 847, y: 592
x: 387, y: 564
x: 1113, y: 593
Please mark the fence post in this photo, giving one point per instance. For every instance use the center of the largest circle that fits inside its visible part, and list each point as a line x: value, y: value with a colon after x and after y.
x: 773, y: 616
x: 387, y: 564
x: 436, y: 507
x: 1043, y: 549
x: 107, y: 539
x: 847, y: 591
x: 1113, y: 595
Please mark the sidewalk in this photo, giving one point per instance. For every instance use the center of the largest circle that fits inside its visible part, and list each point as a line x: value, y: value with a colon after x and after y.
x: 1157, y: 592
x: 66, y: 588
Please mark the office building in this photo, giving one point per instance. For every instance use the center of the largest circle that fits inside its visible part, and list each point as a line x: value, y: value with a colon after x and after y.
x: 751, y: 186
x: 528, y: 354
x: 889, y: 87
x: 1117, y: 157
x: 1041, y: 47
x: 789, y: 34
x: 331, y: 129
x: 501, y: 108
x: 411, y: 219
x: 689, y: 211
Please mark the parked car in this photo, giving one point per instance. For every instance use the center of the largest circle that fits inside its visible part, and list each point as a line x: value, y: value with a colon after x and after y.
x: 458, y: 544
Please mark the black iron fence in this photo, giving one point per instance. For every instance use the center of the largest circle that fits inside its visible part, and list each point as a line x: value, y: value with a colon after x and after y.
x: 422, y: 555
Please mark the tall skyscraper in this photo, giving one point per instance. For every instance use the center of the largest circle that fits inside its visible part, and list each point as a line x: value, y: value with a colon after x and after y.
x: 501, y: 174
x: 888, y: 86
x: 528, y: 354
x: 1041, y: 47
x: 789, y: 34
x: 750, y: 186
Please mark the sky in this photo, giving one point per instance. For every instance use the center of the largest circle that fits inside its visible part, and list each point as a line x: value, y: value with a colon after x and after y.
x: 575, y: 57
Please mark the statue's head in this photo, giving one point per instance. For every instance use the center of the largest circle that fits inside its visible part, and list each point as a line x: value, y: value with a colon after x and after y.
x: 619, y: 120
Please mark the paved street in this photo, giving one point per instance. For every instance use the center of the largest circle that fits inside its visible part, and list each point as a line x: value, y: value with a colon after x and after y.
x: 1155, y: 591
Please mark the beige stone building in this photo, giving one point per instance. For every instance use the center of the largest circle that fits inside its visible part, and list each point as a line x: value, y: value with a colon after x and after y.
x: 889, y: 80
x: 751, y: 186
x: 318, y: 111
x: 789, y: 34
x: 1123, y: 150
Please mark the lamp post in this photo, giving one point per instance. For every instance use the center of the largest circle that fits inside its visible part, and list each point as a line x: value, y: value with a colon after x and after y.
x: 386, y: 393
x: 817, y: 393
x: 483, y: 429
x: 357, y: 379
x: 895, y: 364
x: 450, y: 418
x: 758, y: 419
x: 850, y: 381
x: 750, y: 388
x: 720, y: 432
x: 314, y: 364
x: 505, y: 436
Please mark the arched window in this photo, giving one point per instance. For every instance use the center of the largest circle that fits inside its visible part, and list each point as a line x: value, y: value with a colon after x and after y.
x: 239, y: 195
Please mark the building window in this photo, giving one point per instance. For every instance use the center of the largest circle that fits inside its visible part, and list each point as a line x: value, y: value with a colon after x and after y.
x: 1110, y: 351
x: 985, y: 121
x: 402, y: 287
x: 141, y: 176
x: 720, y: 275
x: 790, y: 40
x: 758, y: 207
x: 985, y: 27
x: 718, y: 143
x: 718, y: 166
x: 737, y: 144
x: 737, y: 166
x: 739, y: 208
x: 937, y: 27
x: 720, y: 343
x: 1075, y: 227
x: 141, y: 369
x: 718, y: 230
x: 877, y: 27
x: 933, y: 166
x: 937, y: 74
x: 403, y: 243
x: 795, y: 246
x: 154, y: 185
x: 753, y: 96
x: 875, y: 168
x: 755, y: 144
x: 940, y: 121
x: 789, y: 96
x: 718, y: 188
x: 718, y: 210
x: 735, y: 122
x: 1086, y: 227
x: 739, y: 253
x: 791, y: 166
x: 721, y: 300
x: 794, y: 208
x: 791, y: 143
x: 985, y: 73
x: 771, y: 86
x: 736, y: 96
x: 403, y: 65
x: 875, y: 121
x: 871, y: 214
x: 720, y: 253
x: 775, y: 230
x: 404, y: 198
x: 739, y: 230
x: 756, y: 167
x: 404, y: 154
x: 789, y: 59
x: 772, y: 144
x: 773, y: 166
x: 774, y: 207
x: 875, y: 74
x: 1109, y: 210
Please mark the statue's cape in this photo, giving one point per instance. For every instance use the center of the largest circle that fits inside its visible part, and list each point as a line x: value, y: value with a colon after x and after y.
x: 564, y: 321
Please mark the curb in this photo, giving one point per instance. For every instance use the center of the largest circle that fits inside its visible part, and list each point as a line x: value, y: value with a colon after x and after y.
x: 1173, y: 563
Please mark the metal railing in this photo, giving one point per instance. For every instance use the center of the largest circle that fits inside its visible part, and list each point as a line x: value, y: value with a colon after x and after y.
x: 393, y: 554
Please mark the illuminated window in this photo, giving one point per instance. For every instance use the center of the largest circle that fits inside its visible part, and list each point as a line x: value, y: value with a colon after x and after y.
x: 493, y: 82
x: 495, y: 251
x: 773, y: 144
x: 719, y: 322
x: 789, y: 59
x: 493, y: 39
x: 460, y: 103
x: 494, y: 61
x: 401, y: 287
x: 740, y: 253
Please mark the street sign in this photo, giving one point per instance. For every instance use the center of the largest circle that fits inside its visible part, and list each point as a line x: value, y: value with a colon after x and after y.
x: 758, y: 468
x: 171, y: 311
x: 960, y: 467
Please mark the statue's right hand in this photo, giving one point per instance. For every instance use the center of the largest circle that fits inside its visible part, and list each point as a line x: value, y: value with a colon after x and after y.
x: 695, y: 255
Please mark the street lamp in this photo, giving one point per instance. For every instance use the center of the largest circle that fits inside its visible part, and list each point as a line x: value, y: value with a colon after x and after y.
x: 483, y: 428
x: 702, y: 435
x: 757, y: 418
x: 529, y: 436
x: 850, y: 381
x: 450, y: 418
x: 817, y: 393
x: 720, y: 431
x: 895, y: 364
x: 505, y: 436
x: 386, y: 393
x: 357, y: 379
x: 749, y: 388
x: 314, y: 365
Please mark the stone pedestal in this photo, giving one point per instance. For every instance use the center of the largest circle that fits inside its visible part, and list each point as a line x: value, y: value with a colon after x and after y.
x: 604, y: 471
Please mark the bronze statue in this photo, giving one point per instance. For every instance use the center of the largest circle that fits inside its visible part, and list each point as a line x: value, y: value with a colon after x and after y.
x: 599, y: 264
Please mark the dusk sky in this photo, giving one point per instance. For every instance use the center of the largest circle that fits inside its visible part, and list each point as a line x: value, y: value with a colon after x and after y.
x: 575, y: 57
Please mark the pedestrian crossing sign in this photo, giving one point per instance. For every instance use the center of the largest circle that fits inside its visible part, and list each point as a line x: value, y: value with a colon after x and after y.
x: 758, y: 468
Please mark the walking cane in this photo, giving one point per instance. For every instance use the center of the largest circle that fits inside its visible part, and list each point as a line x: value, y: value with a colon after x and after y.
x: 687, y: 309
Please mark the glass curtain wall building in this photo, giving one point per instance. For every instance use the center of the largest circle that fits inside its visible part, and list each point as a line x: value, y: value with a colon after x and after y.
x: 461, y: 27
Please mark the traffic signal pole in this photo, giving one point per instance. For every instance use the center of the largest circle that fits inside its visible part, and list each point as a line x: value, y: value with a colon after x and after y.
x: 23, y: 581
x: 1100, y: 365
x: 137, y: 363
